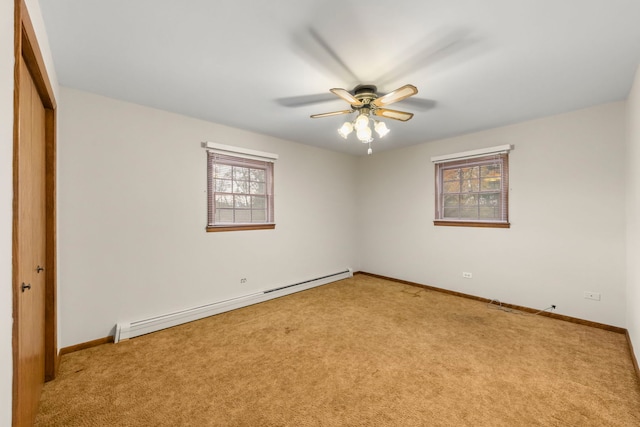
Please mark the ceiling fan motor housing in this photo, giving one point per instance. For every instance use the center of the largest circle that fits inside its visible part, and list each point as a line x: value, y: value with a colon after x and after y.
x: 365, y: 94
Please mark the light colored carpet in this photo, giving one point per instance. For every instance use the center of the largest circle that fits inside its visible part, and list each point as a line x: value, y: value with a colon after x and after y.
x: 359, y: 352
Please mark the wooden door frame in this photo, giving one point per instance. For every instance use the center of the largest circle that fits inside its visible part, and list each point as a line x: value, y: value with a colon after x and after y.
x: 26, y: 47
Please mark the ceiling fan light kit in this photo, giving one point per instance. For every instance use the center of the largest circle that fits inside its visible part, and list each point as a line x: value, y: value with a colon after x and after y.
x: 365, y: 102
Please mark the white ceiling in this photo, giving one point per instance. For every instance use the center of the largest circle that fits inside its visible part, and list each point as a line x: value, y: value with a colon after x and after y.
x: 243, y: 63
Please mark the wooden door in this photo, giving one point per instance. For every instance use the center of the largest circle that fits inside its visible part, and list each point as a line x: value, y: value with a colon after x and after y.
x: 35, y: 349
x: 30, y: 242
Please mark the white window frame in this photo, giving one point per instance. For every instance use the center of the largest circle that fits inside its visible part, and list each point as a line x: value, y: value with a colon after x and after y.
x: 239, y: 157
x: 485, y: 156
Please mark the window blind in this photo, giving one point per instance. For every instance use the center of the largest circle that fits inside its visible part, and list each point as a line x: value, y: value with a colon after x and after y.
x: 473, y: 188
x: 244, y: 153
x: 471, y: 154
x: 239, y: 190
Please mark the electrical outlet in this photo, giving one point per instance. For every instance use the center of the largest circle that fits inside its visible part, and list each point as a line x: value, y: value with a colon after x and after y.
x: 243, y: 280
x: 467, y: 275
x: 592, y: 295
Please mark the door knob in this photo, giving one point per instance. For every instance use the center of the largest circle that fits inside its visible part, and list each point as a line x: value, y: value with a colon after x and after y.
x: 39, y: 269
x: 25, y: 287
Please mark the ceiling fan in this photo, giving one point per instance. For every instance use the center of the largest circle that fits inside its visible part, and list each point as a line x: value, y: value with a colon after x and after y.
x: 365, y: 101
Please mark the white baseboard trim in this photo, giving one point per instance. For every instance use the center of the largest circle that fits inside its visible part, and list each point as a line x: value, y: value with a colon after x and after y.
x: 126, y: 330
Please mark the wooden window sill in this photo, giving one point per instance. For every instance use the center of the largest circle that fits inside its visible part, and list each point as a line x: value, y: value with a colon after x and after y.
x: 240, y: 227
x: 472, y: 224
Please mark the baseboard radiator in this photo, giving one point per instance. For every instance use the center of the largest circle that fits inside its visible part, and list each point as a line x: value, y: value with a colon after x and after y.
x: 126, y: 330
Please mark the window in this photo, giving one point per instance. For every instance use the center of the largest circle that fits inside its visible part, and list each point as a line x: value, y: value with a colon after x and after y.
x: 472, y: 188
x: 239, y: 189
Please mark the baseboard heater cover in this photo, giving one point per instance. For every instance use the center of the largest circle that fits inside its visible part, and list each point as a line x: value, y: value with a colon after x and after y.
x: 126, y: 330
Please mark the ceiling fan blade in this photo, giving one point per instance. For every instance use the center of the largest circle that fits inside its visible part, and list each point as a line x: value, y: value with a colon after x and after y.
x: 304, y: 100
x: 395, y: 96
x: 332, y: 53
x: 333, y: 113
x: 444, y: 46
x: 393, y: 114
x: 346, y: 95
x: 313, y: 48
x: 420, y: 104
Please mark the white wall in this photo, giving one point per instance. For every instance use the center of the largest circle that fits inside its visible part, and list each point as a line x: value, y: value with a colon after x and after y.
x: 570, y: 164
x: 132, y: 216
x: 6, y: 212
x: 633, y: 212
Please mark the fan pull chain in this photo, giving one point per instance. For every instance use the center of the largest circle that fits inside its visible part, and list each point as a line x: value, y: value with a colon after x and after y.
x: 369, y: 151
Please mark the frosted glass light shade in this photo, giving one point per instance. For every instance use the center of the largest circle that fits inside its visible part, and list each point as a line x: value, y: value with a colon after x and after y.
x: 364, y: 134
x: 345, y: 130
x: 361, y: 122
x: 381, y: 129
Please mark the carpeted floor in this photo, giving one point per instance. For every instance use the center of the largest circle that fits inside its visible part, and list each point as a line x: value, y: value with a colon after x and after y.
x: 359, y: 352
